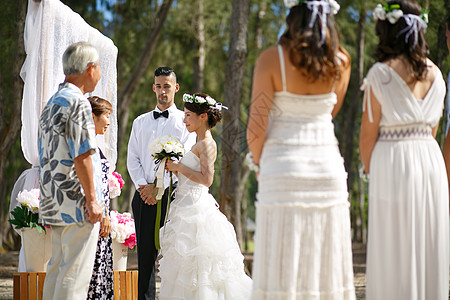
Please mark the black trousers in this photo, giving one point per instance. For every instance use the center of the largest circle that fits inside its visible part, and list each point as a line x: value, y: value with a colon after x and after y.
x: 144, y: 220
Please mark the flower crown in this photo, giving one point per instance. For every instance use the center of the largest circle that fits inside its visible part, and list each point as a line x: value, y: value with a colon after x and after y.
x: 393, y: 13
x: 332, y: 4
x: 211, y: 102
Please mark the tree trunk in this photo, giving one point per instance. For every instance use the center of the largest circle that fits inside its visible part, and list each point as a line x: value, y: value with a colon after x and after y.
x: 199, y: 50
x: 350, y: 119
x: 233, y: 128
x: 127, y: 93
x: 9, y: 131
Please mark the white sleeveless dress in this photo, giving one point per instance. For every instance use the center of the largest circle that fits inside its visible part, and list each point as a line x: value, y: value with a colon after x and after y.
x: 201, y: 259
x: 303, y: 242
x: 408, y: 237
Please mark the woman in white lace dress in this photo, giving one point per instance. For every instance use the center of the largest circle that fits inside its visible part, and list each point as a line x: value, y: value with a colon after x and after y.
x: 303, y: 240
x: 407, y: 254
x: 201, y: 259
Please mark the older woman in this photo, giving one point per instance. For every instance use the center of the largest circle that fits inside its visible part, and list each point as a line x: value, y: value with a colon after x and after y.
x: 101, y: 286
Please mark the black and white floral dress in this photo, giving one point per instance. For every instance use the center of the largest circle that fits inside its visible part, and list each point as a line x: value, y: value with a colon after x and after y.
x: 102, y: 285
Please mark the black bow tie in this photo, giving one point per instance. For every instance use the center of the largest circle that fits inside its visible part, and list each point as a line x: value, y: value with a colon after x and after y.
x: 157, y: 114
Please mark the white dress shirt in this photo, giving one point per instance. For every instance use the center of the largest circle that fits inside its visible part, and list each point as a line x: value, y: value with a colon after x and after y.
x: 145, y: 130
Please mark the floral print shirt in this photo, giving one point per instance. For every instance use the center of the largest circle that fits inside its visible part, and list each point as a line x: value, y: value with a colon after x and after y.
x: 66, y: 130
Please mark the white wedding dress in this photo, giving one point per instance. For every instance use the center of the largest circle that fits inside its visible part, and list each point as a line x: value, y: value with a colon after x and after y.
x: 201, y: 259
x: 303, y: 242
x: 408, y: 238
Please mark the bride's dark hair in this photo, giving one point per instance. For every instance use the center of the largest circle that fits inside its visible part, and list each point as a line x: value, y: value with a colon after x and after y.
x: 392, y: 45
x: 316, y: 60
x: 214, y: 115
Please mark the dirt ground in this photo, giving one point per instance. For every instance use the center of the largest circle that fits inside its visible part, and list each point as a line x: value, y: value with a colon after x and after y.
x: 9, y: 261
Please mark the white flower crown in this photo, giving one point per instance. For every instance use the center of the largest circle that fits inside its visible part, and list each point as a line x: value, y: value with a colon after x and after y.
x: 334, y: 6
x: 414, y: 23
x: 201, y: 100
x: 393, y: 13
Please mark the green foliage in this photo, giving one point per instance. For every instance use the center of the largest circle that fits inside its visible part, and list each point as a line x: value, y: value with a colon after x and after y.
x: 127, y: 23
x: 24, y: 218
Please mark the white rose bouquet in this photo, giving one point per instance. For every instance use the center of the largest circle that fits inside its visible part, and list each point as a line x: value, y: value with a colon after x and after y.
x: 163, y: 148
x: 27, y: 214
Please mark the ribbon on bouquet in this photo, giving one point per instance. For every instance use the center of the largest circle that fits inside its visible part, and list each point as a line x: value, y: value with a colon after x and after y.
x: 159, y: 195
x: 160, y: 179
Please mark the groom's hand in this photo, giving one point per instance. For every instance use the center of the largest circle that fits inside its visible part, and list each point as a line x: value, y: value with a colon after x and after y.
x: 148, y: 193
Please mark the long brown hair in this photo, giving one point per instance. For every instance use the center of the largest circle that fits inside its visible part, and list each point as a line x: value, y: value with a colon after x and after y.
x: 315, y: 59
x: 392, y: 45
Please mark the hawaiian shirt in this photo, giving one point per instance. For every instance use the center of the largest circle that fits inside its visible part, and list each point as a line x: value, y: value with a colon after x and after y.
x: 66, y: 130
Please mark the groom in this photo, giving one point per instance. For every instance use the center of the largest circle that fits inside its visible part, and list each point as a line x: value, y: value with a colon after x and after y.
x: 163, y: 120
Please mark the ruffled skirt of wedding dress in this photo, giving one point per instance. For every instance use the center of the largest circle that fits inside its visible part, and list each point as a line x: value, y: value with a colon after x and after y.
x: 201, y: 258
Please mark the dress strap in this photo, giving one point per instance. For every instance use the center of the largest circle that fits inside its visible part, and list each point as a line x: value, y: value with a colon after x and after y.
x: 367, y: 103
x: 283, y: 74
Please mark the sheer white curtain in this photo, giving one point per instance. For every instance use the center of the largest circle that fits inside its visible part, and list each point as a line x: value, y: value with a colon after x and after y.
x: 50, y: 27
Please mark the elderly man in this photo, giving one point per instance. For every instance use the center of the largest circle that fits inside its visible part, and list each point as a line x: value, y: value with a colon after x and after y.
x: 70, y: 176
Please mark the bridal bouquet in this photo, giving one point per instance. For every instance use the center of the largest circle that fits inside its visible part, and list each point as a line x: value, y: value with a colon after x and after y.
x: 122, y: 229
x: 163, y: 148
x: 26, y: 215
x: 166, y: 147
x: 115, y: 184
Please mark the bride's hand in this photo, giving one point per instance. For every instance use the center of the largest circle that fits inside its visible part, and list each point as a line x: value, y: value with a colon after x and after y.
x: 171, y: 165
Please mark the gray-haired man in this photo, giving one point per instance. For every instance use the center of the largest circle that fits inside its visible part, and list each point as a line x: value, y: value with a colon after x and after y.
x: 70, y: 176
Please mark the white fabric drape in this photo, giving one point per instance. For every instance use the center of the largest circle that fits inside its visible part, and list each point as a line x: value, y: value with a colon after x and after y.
x: 50, y: 27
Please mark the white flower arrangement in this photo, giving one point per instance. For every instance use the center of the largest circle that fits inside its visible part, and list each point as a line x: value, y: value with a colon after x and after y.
x: 30, y: 199
x: 27, y: 214
x: 393, y: 13
x: 334, y: 6
x: 199, y: 99
x: 166, y: 146
x: 162, y: 149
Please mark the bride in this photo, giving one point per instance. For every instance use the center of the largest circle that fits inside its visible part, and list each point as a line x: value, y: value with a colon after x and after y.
x: 201, y: 258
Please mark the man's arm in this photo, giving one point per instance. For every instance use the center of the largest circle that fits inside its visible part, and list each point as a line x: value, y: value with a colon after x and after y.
x: 85, y: 173
x: 134, y: 164
x: 136, y: 170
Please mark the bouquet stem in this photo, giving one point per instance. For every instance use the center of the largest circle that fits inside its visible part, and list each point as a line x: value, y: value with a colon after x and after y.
x: 157, y: 224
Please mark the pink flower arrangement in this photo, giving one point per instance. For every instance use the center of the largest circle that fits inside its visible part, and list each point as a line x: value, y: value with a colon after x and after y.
x: 115, y: 184
x: 122, y: 229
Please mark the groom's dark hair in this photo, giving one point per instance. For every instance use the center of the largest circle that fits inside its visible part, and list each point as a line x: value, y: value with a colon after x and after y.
x: 165, y: 71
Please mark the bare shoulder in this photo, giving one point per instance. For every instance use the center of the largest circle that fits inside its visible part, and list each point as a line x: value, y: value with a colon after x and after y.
x: 268, y: 58
x: 207, y: 147
x: 432, y: 68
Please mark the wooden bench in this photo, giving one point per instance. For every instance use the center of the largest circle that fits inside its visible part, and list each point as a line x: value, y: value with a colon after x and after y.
x: 30, y: 285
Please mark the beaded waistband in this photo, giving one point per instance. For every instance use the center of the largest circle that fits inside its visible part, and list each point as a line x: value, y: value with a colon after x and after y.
x: 405, y: 132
